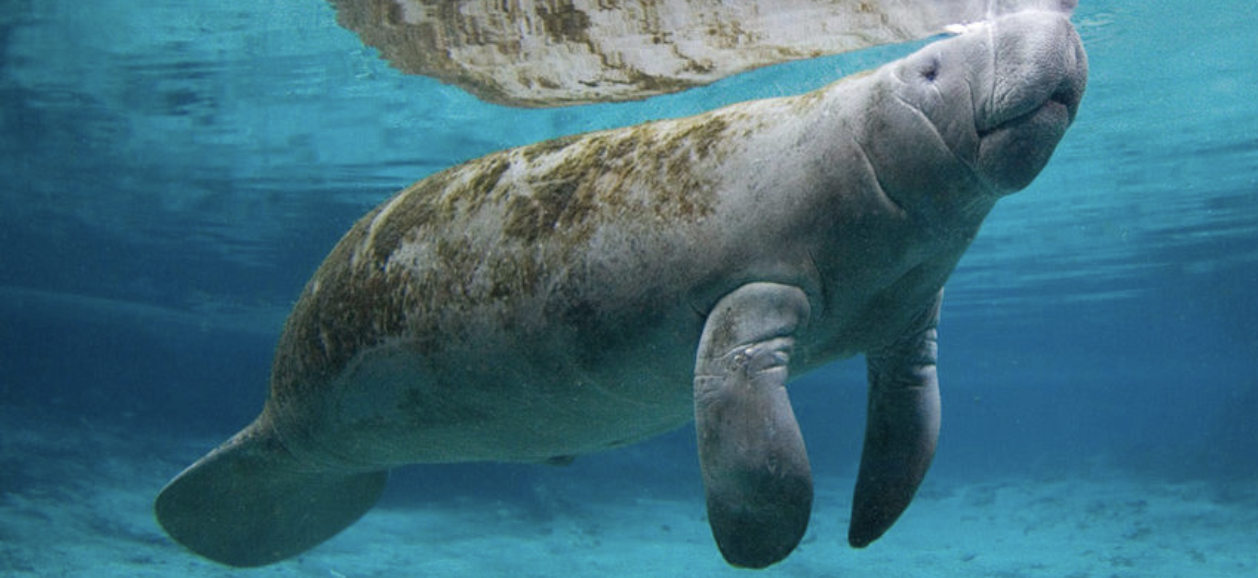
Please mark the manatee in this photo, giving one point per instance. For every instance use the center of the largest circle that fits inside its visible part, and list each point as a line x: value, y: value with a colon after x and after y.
x: 589, y: 292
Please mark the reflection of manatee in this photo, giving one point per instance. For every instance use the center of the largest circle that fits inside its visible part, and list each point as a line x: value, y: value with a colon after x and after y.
x: 547, y: 53
x: 550, y: 300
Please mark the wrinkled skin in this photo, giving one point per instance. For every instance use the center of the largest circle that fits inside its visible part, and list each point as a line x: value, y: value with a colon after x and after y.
x: 576, y: 295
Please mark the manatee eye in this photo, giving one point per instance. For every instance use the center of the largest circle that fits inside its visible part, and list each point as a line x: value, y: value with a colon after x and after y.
x: 930, y: 70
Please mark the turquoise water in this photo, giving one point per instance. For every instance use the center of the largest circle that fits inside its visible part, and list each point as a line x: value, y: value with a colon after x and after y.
x: 172, y: 172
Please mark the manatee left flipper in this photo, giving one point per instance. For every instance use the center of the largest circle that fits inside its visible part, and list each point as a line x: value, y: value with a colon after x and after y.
x: 755, y: 469
x: 901, y: 427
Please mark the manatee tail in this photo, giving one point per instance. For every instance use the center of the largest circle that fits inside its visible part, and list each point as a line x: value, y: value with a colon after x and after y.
x: 250, y: 502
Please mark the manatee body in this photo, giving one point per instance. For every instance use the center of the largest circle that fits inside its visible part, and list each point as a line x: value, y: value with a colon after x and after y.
x: 594, y: 291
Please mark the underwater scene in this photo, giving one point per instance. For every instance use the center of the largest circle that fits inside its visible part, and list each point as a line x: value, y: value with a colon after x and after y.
x: 524, y: 343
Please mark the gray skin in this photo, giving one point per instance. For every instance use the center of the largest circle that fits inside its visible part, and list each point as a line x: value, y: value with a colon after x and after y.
x: 591, y: 292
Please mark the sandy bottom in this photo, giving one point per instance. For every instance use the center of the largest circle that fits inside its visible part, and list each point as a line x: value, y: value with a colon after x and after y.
x: 75, y: 500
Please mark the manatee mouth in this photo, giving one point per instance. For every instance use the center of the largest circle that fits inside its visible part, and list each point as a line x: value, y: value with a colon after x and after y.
x: 1016, y: 142
x: 1062, y: 104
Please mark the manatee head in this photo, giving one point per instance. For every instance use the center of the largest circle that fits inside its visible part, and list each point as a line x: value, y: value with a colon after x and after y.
x: 980, y: 112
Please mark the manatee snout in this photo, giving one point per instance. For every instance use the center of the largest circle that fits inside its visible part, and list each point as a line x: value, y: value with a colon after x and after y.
x: 1037, y: 80
x: 994, y: 101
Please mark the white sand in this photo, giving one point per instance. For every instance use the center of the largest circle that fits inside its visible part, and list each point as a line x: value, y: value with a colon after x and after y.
x: 75, y: 500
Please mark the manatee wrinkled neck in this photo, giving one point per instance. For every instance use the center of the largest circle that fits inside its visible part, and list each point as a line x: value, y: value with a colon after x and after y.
x: 921, y: 175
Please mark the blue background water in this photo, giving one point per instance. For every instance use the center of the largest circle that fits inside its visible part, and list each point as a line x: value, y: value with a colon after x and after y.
x: 172, y: 172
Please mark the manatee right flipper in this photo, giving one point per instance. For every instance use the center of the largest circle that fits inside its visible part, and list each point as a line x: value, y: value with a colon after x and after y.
x: 901, y: 427
x: 250, y: 502
x: 755, y: 469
